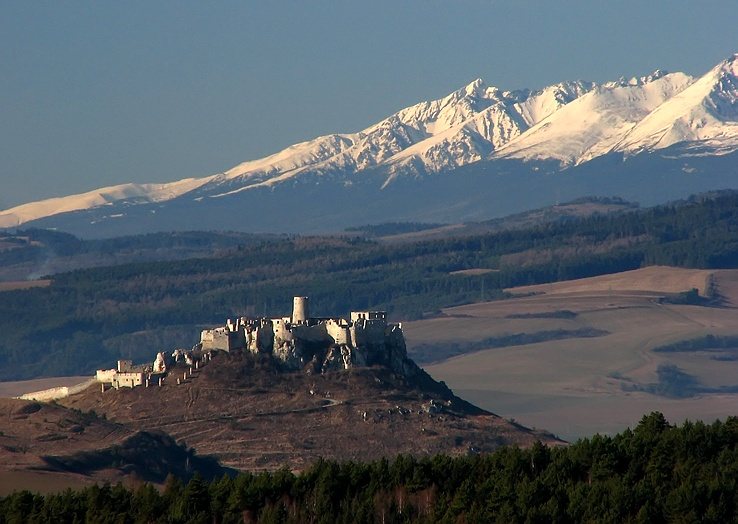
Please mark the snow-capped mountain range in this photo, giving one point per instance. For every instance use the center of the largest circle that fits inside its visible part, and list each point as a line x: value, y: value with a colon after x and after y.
x: 557, y: 129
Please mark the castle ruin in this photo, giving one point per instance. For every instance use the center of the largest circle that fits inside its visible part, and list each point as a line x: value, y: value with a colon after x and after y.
x: 316, y: 343
x: 300, y: 342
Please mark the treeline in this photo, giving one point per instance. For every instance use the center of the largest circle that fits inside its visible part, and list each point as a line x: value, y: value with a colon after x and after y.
x: 89, y: 318
x: 706, y: 342
x: 656, y: 472
x: 392, y: 228
x: 33, y: 253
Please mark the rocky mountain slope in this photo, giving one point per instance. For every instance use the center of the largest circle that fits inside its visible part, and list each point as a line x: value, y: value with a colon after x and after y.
x: 479, y: 152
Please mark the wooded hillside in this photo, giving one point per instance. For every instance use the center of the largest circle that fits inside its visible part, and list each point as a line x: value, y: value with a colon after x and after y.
x: 89, y: 318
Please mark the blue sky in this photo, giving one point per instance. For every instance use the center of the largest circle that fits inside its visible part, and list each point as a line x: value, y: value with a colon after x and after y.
x: 100, y: 93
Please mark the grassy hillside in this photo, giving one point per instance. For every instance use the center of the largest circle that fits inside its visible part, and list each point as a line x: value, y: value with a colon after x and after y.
x: 89, y: 318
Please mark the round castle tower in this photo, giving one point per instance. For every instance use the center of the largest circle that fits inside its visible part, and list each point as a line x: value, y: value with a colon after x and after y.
x: 300, y: 310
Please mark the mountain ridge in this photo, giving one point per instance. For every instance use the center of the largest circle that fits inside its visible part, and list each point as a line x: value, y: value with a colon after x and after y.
x: 564, y: 125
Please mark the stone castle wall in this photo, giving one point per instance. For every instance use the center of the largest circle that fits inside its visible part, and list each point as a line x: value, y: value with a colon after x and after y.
x: 50, y: 394
x: 363, y: 339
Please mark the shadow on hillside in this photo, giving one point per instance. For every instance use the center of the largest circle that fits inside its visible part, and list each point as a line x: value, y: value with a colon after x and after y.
x: 673, y: 382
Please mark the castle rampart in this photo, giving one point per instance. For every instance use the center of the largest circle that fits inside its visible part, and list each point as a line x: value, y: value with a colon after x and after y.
x: 50, y: 394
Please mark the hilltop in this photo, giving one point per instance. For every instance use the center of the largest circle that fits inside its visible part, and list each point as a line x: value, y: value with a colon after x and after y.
x: 250, y: 414
x: 270, y: 393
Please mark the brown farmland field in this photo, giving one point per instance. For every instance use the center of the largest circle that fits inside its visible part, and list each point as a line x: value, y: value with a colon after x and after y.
x: 576, y: 387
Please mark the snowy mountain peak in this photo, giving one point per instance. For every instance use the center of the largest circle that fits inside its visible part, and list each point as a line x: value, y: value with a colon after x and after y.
x: 724, y: 74
x: 729, y: 63
x: 704, y: 113
x: 596, y: 122
x: 572, y: 122
x: 637, y: 81
x: 477, y: 89
x: 723, y: 98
